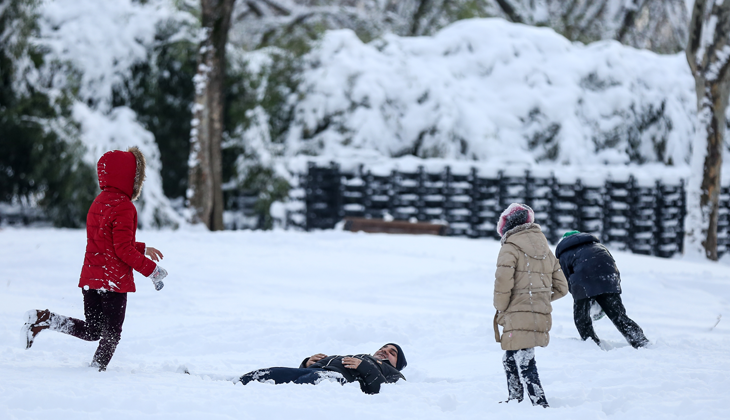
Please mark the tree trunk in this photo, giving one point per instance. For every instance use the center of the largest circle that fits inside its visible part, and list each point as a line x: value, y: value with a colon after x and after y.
x: 205, y: 193
x: 708, y: 51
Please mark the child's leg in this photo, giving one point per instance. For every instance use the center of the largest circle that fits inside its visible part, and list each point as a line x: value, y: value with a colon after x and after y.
x: 582, y: 319
x: 38, y: 320
x: 101, y: 314
x: 283, y: 375
x: 90, y: 328
x: 525, y: 360
x: 514, y: 385
x: 113, y: 310
x: 614, y: 309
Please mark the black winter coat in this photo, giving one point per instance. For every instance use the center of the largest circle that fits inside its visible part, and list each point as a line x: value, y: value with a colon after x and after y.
x: 371, y: 373
x: 589, y: 267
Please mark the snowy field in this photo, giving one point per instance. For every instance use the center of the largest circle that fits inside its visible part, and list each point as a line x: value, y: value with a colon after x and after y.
x: 236, y: 301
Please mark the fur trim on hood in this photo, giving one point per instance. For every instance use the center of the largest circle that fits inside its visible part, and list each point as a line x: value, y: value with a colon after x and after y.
x: 139, y: 175
x: 516, y: 214
x: 518, y: 229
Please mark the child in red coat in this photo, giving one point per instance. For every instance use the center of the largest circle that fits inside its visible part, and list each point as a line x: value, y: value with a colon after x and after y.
x: 111, y: 254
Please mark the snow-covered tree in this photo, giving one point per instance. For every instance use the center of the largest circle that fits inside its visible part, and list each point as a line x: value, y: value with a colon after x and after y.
x: 40, y: 151
x: 292, y: 24
x: 527, y: 96
x: 205, y: 192
x: 91, y: 48
x: 708, y: 54
x: 657, y: 25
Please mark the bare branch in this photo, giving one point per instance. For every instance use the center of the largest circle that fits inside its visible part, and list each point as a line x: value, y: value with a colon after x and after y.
x: 266, y: 38
x: 718, y: 56
x: 420, y: 13
x: 510, y: 11
x: 254, y: 7
x: 629, y: 18
x: 283, y: 11
x: 695, y: 33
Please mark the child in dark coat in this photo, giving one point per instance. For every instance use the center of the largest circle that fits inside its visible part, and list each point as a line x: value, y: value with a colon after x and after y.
x: 112, y: 252
x: 593, y: 276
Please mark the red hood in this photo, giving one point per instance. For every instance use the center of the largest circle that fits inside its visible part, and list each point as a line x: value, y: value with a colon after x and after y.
x: 117, y: 169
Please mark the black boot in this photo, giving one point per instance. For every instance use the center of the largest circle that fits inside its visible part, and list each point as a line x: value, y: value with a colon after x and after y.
x: 616, y: 312
x: 525, y: 361
x: 514, y: 384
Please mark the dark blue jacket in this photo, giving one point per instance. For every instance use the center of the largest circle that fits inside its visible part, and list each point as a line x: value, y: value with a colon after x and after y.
x: 371, y: 373
x: 589, y: 267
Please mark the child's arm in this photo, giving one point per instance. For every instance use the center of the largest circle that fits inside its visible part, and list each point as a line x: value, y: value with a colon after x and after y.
x: 123, y: 226
x: 504, y: 277
x: 560, y: 284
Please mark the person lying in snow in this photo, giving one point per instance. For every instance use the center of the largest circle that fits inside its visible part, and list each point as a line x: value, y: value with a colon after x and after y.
x: 383, y: 366
x: 527, y: 279
x: 593, y: 275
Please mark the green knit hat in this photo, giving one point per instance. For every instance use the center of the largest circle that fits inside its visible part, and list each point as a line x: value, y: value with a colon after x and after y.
x: 572, y: 232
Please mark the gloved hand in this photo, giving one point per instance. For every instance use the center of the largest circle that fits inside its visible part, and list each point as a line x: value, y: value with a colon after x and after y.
x: 157, y: 276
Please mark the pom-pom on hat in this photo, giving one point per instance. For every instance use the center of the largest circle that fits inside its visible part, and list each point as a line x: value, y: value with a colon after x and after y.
x: 516, y: 214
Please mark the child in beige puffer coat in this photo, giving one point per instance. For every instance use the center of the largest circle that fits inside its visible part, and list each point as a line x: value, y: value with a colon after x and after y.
x: 528, y: 278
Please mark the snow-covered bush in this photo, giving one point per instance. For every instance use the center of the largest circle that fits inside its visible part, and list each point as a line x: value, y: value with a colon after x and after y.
x: 259, y: 105
x: 40, y: 154
x: 489, y: 90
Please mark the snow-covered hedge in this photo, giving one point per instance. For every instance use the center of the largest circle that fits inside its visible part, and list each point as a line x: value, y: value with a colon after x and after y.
x: 493, y: 91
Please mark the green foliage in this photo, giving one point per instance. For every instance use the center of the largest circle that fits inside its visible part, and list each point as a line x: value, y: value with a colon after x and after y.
x: 468, y: 10
x: 249, y: 94
x: 270, y: 88
x: 40, y: 154
x: 298, y: 36
x: 269, y: 188
x: 161, y: 92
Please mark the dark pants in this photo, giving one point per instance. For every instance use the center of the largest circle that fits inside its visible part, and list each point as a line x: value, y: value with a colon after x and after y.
x: 104, y: 313
x: 283, y: 375
x: 615, y: 311
x: 521, y: 370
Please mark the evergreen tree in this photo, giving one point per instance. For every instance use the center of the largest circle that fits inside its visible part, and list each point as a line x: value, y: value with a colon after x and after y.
x: 40, y: 155
x: 161, y: 93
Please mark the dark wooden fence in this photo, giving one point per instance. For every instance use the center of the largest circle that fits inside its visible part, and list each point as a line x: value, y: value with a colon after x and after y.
x: 627, y: 215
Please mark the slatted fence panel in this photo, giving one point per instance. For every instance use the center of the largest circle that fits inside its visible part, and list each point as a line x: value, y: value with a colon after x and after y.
x: 644, y: 218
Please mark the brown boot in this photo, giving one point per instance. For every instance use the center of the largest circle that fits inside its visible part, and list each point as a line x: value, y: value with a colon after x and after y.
x: 35, y: 322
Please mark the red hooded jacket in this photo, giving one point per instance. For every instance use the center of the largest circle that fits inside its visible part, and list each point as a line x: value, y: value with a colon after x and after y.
x: 111, y: 224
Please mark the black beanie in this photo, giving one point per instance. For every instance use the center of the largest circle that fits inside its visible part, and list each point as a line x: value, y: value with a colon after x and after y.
x: 401, y: 363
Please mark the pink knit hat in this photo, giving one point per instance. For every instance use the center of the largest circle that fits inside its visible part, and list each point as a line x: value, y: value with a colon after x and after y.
x: 515, y: 215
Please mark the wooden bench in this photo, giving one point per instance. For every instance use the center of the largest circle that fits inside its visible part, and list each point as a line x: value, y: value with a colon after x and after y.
x: 357, y: 224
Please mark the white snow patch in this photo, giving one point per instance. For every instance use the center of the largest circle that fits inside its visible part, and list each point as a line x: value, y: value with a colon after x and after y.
x: 238, y: 301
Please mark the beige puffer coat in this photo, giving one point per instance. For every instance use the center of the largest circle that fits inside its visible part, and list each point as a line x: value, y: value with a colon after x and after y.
x: 528, y: 278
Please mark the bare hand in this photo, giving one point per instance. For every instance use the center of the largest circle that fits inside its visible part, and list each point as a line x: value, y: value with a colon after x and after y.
x: 315, y: 358
x: 153, y: 253
x: 351, y: 362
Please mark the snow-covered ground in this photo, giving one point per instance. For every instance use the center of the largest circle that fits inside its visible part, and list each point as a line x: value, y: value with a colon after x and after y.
x: 236, y: 301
